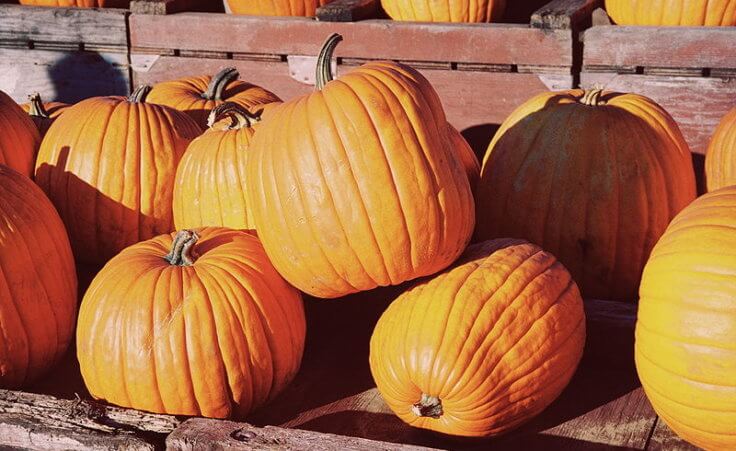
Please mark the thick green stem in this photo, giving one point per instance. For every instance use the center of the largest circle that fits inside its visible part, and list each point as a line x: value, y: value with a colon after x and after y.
x: 140, y: 94
x: 219, y: 82
x: 324, y: 61
x: 36, y: 108
x: 428, y: 406
x: 182, y: 252
x: 240, y: 116
x: 592, y: 97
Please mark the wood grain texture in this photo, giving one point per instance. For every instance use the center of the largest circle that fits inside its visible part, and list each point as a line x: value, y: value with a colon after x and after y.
x: 500, y: 44
x: 674, y: 47
x: 173, y: 6
x: 564, y: 14
x: 347, y: 10
x: 63, y: 76
x: 663, y: 439
x: 95, y: 27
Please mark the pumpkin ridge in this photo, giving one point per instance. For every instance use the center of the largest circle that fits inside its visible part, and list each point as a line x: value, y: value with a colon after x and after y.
x: 660, y: 394
x: 150, y: 346
x: 689, y: 341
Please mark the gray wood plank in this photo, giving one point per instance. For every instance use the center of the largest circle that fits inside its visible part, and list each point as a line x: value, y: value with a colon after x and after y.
x: 347, y: 10
x: 564, y: 14
x: 664, y: 439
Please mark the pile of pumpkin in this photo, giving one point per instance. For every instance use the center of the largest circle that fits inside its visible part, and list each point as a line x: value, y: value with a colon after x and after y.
x: 362, y: 184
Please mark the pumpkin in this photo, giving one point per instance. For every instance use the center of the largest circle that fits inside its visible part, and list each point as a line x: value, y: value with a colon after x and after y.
x: 445, y: 11
x: 19, y: 138
x: 484, y: 346
x: 79, y: 3
x: 467, y: 156
x: 108, y: 165
x: 593, y: 177
x: 720, y: 159
x: 209, y: 189
x: 306, y: 8
x: 686, y: 326
x: 43, y: 114
x: 673, y: 12
x: 38, y: 282
x: 193, y: 323
x: 357, y: 184
x: 197, y: 96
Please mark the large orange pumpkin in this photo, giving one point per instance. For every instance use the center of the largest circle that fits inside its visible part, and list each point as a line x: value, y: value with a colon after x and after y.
x: 357, y: 185
x: 79, y: 3
x: 197, y: 96
x: 19, y: 138
x: 108, y: 165
x: 43, y: 114
x: 467, y: 156
x: 592, y: 177
x: 38, y: 282
x: 445, y: 11
x: 193, y: 323
x: 720, y: 160
x: 306, y: 8
x: 686, y: 328
x: 484, y: 346
x: 672, y: 12
x: 210, y: 183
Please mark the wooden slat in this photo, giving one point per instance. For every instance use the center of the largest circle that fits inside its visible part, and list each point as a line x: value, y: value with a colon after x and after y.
x: 63, y: 76
x: 471, y: 43
x: 694, y: 47
x: 173, y: 6
x: 564, y: 14
x: 347, y: 10
x: 102, y: 27
x: 663, y: 439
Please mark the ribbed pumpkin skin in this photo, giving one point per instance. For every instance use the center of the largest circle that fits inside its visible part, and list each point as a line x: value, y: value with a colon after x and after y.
x: 305, y: 8
x: 686, y: 329
x: 38, y: 282
x: 467, y: 156
x: 54, y: 110
x: 720, y: 160
x: 108, y: 166
x: 186, y: 95
x: 19, y: 138
x: 594, y: 185
x: 673, y: 12
x: 357, y: 185
x: 445, y: 10
x: 210, y: 182
x: 79, y: 3
x: 217, y: 339
x: 496, y: 338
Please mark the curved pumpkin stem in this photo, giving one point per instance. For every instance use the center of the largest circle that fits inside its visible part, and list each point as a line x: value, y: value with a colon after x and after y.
x: 181, y: 253
x: 140, y: 94
x: 219, y: 82
x: 592, y: 97
x: 324, y: 61
x: 428, y: 406
x: 240, y: 116
x: 37, y: 109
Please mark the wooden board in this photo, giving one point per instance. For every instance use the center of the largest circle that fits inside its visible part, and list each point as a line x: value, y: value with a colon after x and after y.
x: 663, y: 439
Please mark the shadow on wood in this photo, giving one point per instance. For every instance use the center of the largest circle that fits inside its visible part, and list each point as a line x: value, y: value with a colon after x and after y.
x: 79, y: 75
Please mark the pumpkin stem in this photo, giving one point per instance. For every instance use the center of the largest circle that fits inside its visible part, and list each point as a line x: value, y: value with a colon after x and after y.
x: 140, y: 94
x: 240, y: 116
x: 592, y: 97
x: 324, y: 61
x: 181, y: 253
x: 37, y: 109
x: 428, y: 406
x: 219, y: 82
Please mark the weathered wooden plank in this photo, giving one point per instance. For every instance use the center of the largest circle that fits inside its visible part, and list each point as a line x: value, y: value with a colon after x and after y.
x: 197, y: 433
x: 686, y: 47
x: 467, y: 43
x: 696, y: 103
x: 63, y: 76
x: 347, y: 10
x: 101, y: 27
x: 564, y: 14
x: 172, y: 6
x: 664, y: 439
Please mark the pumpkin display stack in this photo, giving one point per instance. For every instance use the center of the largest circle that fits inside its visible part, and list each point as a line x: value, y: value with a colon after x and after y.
x: 19, y: 137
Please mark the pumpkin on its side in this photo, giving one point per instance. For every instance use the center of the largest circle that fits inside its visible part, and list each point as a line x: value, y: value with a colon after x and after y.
x: 43, y: 114
x: 720, y: 159
x: 673, y: 12
x: 19, y: 137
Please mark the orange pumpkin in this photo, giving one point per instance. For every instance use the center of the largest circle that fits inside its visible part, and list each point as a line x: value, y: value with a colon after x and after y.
x: 197, y: 96
x: 720, y: 160
x: 306, y: 8
x: 593, y: 177
x: 673, y: 12
x: 484, y: 346
x: 79, y: 3
x: 19, y: 137
x: 686, y: 328
x: 445, y: 11
x: 108, y: 165
x: 210, y: 183
x: 38, y: 282
x: 467, y: 156
x: 193, y: 323
x: 43, y: 114
x: 357, y: 185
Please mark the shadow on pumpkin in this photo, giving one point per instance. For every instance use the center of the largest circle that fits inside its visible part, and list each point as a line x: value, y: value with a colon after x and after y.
x: 479, y: 137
